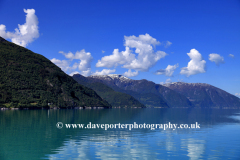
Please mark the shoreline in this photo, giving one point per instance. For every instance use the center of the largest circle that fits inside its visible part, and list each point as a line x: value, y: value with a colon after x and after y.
x: 55, y: 108
x: 46, y: 108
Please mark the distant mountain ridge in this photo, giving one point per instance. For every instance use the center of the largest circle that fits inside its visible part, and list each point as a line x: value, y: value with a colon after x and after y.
x: 146, y: 92
x: 177, y: 94
x: 205, y: 95
x: 116, y: 99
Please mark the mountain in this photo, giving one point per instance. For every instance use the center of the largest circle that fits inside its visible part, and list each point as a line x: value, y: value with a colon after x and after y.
x: 116, y: 99
x: 28, y: 79
x: 205, y: 95
x: 146, y: 92
x: 177, y: 94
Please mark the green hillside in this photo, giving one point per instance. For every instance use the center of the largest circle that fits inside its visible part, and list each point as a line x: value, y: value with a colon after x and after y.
x: 28, y: 79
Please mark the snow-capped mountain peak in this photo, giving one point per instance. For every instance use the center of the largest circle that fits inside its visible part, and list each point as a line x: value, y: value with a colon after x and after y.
x: 111, y: 77
x: 183, y: 83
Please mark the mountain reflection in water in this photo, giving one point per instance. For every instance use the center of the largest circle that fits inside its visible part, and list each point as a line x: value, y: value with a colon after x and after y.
x: 32, y: 134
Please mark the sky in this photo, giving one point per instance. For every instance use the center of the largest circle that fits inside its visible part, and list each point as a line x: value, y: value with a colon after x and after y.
x: 193, y: 41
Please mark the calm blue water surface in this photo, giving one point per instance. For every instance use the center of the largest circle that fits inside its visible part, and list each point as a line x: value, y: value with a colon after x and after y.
x: 32, y: 134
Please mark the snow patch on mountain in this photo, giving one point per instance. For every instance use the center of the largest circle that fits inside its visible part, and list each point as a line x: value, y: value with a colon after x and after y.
x: 183, y: 83
x: 111, y: 77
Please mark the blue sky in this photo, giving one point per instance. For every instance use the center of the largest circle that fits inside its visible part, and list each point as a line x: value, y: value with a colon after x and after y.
x: 193, y: 41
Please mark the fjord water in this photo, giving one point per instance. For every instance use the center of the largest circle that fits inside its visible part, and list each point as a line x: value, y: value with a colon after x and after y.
x: 32, y: 134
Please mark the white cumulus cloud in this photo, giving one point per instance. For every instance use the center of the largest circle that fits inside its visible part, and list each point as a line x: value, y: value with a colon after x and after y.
x: 26, y: 32
x: 75, y: 72
x: 167, y: 44
x: 84, y: 64
x: 143, y: 58
x: 195, y: 65
x: 168, y: 71
x: 129, y: 73
x: 86, y: 72
x: 216, y: 58
x: 231, y: 55
x: 63, y: 64
x: 83, y: 73
x: 167, y: 81
x: 237, y: 94
x: 104, y: 72
x: 116, y: 58
x: 84, y: 57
